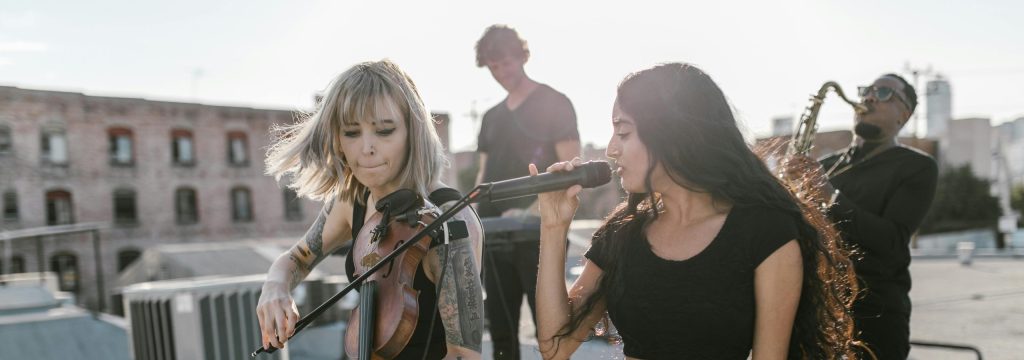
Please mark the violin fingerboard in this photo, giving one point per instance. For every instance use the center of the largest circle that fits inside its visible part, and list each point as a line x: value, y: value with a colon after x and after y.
x: 367, y: 318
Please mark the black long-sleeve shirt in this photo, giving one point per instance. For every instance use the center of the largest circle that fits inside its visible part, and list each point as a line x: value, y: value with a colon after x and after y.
x: 882, y: 201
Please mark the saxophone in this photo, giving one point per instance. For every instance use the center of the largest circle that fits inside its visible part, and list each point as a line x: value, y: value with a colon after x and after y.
x: 803, y: 140
x: 803, y: 137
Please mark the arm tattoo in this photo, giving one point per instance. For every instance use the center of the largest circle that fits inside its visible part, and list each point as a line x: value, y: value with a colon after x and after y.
x: 315, y: 236
x: 461, y: 300
x: 314, y: 240
x: 299, y: 271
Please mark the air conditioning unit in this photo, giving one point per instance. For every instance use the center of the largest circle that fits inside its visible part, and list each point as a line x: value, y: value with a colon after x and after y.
x: 202, y: 318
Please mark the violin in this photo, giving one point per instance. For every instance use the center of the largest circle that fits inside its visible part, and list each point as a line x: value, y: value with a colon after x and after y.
x: 382, y: 324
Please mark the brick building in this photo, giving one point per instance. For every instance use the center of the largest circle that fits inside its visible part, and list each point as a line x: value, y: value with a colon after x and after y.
x: 154, y: 172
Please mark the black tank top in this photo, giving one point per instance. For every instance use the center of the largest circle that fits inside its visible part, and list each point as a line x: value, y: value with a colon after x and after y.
x: 428, y: 292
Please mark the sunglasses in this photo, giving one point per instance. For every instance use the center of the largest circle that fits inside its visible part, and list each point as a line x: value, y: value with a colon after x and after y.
x: 882, y: 93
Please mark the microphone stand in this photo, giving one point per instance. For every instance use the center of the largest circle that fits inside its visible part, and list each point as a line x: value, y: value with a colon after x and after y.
x: 433, y: 227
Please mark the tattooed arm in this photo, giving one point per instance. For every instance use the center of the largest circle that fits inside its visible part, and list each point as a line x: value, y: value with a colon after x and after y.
x: 276, y: 311
x: 461, y: 294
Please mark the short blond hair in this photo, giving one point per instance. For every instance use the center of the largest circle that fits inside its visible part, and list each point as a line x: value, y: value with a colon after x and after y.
x: 308, y: 152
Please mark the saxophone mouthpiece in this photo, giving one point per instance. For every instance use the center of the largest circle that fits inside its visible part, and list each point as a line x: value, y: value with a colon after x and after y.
x: 861, y: 109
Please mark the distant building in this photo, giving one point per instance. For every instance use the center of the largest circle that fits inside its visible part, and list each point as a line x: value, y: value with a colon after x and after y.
x: 1009, y: 140
x: 939, y: 107
x: 157, y: 172
x: 970, y: 143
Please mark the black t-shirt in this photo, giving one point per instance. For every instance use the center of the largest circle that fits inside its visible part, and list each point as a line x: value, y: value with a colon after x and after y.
x: 702, y: 307
x: 513, y: 139
x: 882, y: 200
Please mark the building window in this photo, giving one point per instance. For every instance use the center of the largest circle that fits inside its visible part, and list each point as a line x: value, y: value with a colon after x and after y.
x: 5, y: 140
x: 124, y: 207
x: 292, y: 205
x: 54, y: 148
x: 182, y: 150
x: 241, y: 205
x: 16, y: 265
x: 58, y: 208
x: 126, y: 257
x: 238, y: 149
x: 65, y: 264
x: 120, y: 146
x: 10, y: 206
x: 185, y: 206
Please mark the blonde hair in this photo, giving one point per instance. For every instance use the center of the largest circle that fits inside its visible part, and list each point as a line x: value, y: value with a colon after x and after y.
x: 308, y: 152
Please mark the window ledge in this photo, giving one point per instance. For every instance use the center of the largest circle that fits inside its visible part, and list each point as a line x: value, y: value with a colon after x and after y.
x: 126, y: 223
x: 116, y: 164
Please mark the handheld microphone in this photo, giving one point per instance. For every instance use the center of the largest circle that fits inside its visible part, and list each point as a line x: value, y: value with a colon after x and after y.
x: 589, y: 174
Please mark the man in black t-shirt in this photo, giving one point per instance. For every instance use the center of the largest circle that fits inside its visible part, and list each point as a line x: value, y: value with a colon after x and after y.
x: 879, y: 192
x: 533, y: 125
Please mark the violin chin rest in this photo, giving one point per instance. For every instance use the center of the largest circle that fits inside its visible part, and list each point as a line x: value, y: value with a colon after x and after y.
x: 400, y: 201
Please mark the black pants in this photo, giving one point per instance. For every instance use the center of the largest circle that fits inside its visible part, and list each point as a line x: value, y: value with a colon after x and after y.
x: 510, y: 271
x: 886, y: 331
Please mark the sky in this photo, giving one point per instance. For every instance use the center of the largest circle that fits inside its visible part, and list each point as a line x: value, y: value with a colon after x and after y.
x: 767, y: 56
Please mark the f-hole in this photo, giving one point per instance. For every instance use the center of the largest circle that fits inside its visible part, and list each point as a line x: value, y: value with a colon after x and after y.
x: 391, y: 264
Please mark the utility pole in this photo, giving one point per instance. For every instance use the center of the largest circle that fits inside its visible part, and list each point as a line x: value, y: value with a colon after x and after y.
x: 473, y: 114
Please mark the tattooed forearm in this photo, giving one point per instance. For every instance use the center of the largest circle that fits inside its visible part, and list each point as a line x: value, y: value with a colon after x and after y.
x: 310, y: 251
x: 461, y: 300
x: 298, y: 270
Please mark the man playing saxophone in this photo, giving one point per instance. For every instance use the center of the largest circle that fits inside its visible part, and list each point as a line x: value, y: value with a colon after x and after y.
x: 877, y: 192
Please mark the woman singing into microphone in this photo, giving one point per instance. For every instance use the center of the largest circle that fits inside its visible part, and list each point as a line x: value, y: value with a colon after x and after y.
x: 370, y: 136
x: 710, y: 256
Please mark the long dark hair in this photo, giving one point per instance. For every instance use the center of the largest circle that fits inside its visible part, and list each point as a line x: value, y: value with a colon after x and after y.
x: 687, y: 126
